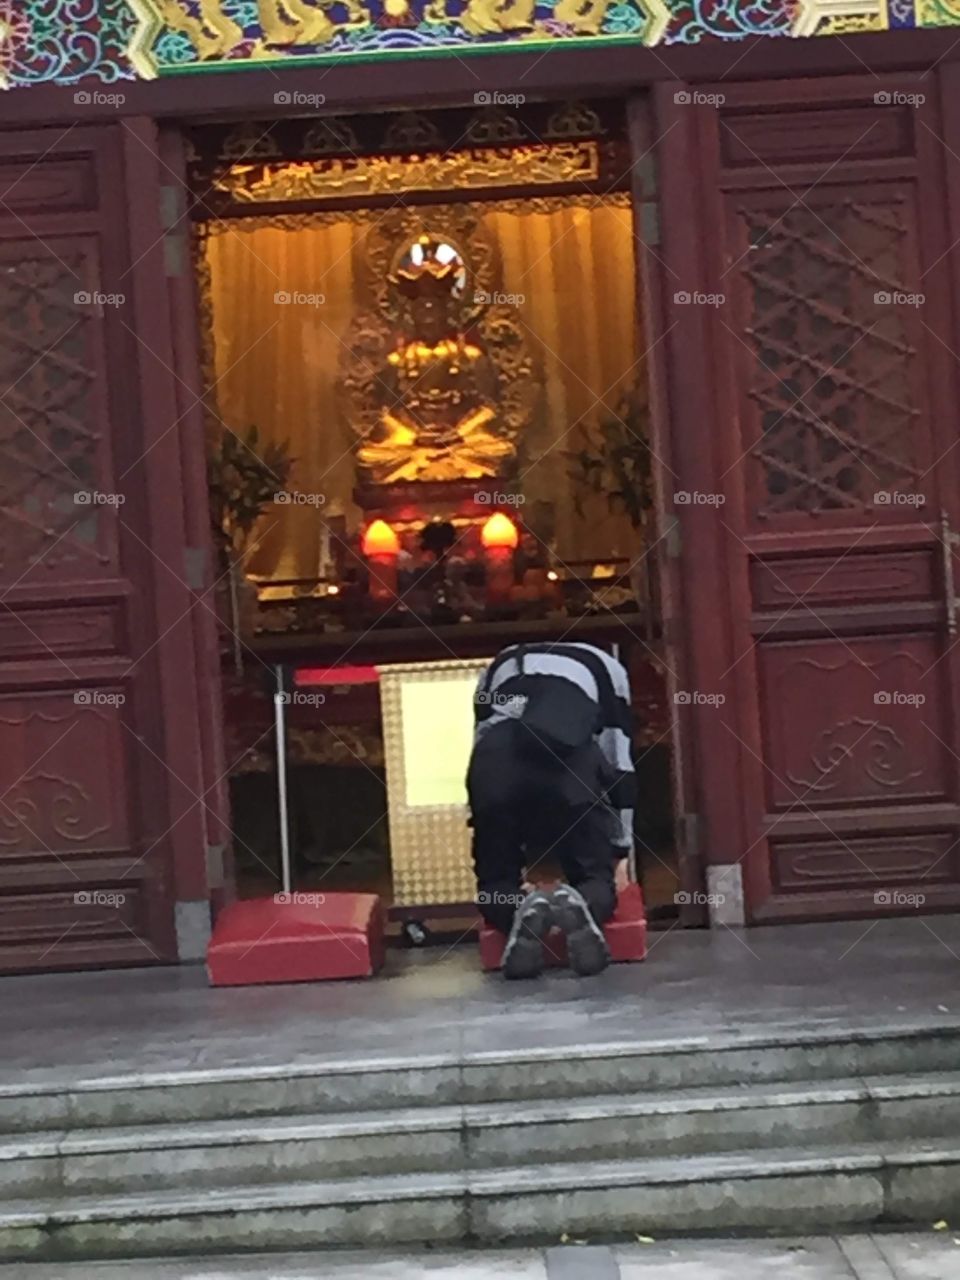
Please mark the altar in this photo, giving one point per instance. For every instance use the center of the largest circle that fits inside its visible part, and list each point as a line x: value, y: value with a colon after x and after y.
x: 449, y: 454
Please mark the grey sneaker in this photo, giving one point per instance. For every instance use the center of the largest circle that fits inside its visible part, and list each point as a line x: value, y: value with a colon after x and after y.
x: 523, y: 954
x: 586, y: 946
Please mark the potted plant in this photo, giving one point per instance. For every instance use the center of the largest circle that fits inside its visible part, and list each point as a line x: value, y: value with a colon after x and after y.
x: 244, y: 474
x: 614, y: 459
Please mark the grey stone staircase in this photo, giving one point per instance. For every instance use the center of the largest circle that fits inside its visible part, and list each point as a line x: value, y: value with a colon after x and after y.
x: 781, y: 1131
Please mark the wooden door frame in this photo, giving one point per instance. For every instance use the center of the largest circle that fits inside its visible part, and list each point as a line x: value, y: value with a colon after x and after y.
x: 682, y: 374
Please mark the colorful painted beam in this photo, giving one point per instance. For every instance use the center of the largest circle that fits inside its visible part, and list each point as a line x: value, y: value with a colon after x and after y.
x: 66, y: 41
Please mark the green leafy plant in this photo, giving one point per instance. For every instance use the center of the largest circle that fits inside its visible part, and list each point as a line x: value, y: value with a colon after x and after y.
x: 244, y: 474
x: 614, y: 458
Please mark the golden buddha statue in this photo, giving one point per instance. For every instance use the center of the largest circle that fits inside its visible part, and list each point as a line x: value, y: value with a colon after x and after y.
x: 437, y: 388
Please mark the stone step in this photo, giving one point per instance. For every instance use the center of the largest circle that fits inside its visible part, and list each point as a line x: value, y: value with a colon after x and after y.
x: 336, y: 1087
x: 766, y: 1190
x: 215, y: 1154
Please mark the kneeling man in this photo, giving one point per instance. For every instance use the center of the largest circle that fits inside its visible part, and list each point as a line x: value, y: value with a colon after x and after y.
x: 551, y: 774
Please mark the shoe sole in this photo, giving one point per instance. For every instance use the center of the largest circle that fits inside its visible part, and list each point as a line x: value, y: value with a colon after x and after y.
x: 587, y: 949
x: 525, y: 958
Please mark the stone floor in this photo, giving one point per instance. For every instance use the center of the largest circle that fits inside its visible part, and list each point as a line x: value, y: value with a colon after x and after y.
x: 694, y: 986
x: 933, y: 1256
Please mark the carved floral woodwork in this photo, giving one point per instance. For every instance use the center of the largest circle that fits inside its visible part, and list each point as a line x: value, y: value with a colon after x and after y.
x: 57, y: 797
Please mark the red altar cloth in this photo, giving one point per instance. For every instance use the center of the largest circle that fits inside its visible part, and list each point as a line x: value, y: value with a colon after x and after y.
x: 626, y: 934
x: 313, y: 676
x: 297, y: 937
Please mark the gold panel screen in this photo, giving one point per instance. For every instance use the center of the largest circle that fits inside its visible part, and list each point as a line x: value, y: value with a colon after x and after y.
x: 427, y: 734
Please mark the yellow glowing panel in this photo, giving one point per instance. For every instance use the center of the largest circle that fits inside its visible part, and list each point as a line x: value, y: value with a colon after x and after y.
x: 437, y: 719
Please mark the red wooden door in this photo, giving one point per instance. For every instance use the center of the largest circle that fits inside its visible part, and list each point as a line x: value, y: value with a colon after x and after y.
x: 94, y: 790
x: 826, y: 462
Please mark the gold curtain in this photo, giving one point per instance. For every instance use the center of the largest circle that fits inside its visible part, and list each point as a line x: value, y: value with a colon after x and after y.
x: 275, y: 364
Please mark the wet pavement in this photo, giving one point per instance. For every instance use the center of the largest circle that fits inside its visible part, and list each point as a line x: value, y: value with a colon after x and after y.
x: 930, y: 1256
x: 694, y: 986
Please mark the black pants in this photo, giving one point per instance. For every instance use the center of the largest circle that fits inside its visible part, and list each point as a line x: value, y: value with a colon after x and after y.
x: 527, y: 803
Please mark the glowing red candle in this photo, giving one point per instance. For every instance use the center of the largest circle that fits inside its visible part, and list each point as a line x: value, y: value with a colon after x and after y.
x: 499, y: 537
x: 381, y: 546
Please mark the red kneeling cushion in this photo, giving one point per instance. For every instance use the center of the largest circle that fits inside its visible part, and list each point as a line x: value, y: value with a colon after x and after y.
x: 300, y: 937
x: 626, y: 934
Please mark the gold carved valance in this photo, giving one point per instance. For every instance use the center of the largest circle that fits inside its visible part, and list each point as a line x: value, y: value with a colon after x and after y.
x: 473, y: 169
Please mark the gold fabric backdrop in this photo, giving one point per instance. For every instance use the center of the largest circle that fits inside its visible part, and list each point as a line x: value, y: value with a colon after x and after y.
x: 276, y: 364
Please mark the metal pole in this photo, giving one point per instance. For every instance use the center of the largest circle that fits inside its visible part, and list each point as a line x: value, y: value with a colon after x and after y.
x: 280, y: 721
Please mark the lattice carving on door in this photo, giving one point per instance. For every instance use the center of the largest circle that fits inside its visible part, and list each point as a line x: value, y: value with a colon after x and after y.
x: 832, y: 381
x: 49, y: 435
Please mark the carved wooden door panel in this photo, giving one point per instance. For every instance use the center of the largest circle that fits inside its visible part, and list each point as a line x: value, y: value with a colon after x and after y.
x: 85, y: 875
x: 836, y: 468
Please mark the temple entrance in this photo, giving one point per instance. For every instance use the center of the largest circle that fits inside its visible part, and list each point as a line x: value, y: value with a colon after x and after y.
x: 429, y: 435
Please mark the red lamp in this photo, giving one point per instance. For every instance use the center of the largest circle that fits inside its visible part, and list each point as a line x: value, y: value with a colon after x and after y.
x: 499, y: 537
x: 381, y: 546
